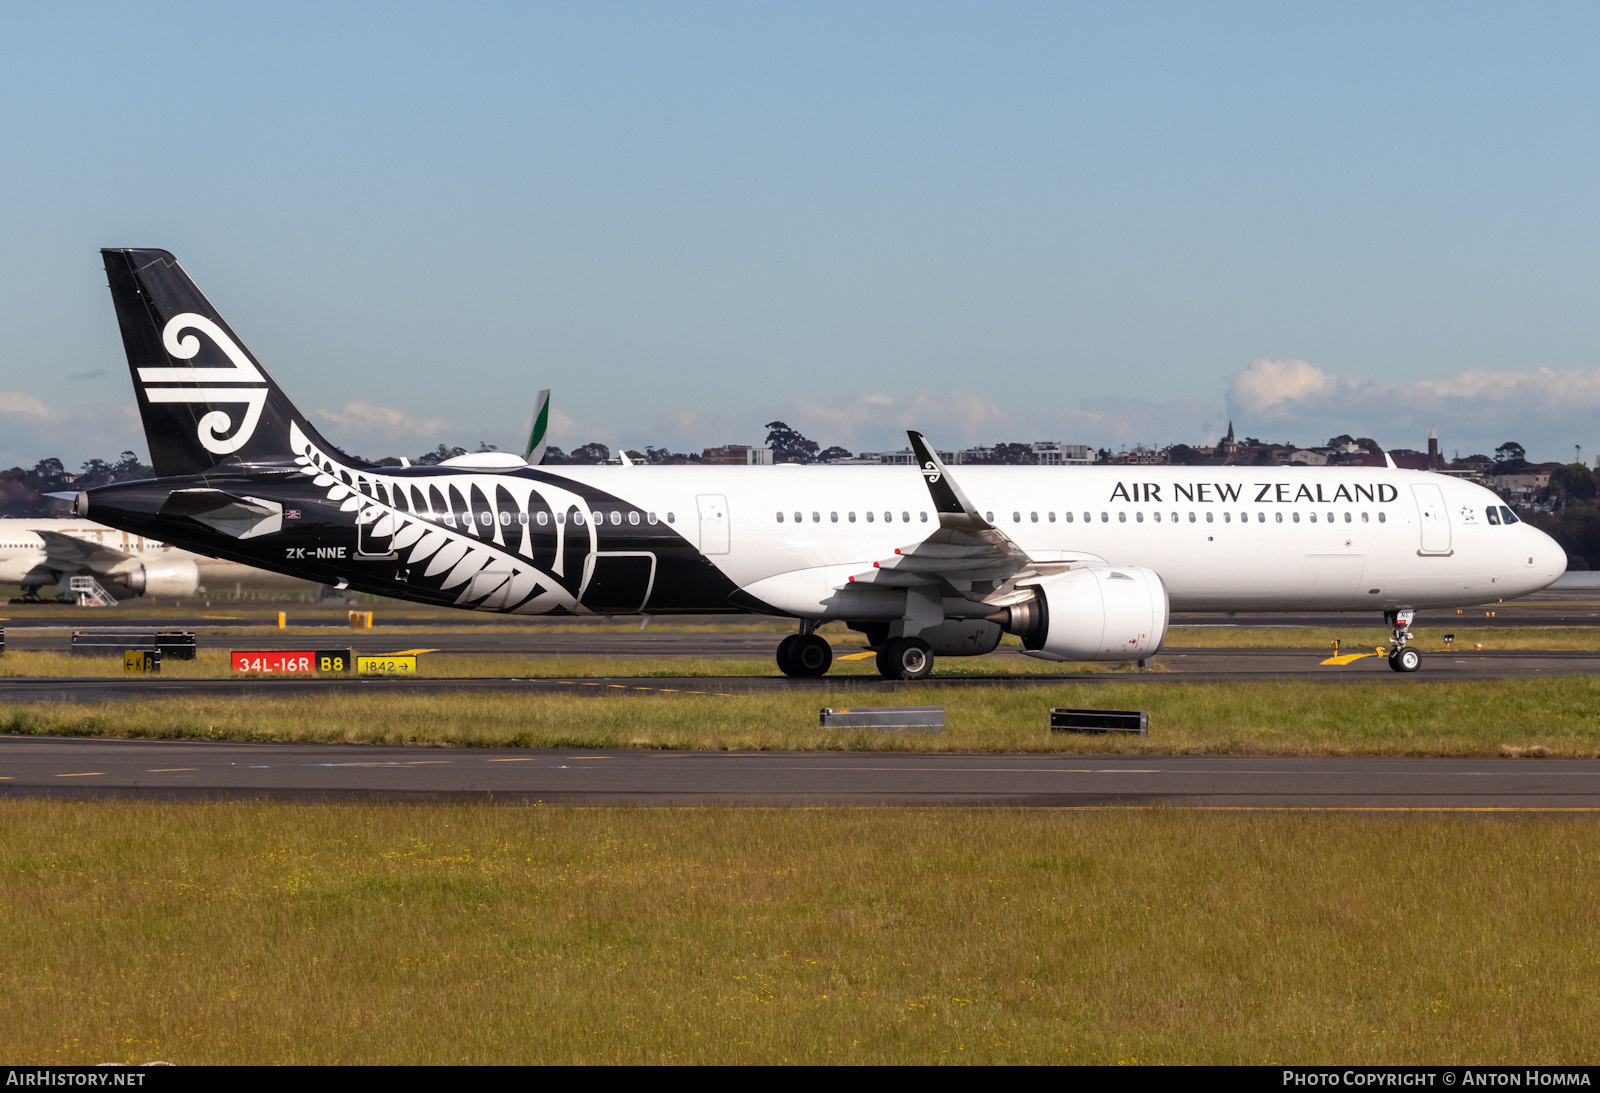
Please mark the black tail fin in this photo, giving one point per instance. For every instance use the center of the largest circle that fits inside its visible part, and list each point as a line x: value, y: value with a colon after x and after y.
x: 203, y: 397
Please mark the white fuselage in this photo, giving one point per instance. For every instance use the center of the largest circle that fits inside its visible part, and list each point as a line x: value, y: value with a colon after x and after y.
x: 1221, y: 538
x: 24, y: 559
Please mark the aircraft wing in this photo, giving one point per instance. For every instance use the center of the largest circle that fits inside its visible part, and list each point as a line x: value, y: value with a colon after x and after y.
x: 967, y: 556
x: 63, y: 552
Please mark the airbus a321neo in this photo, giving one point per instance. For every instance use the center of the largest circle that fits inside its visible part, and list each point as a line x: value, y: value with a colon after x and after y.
x: 1083, y: 564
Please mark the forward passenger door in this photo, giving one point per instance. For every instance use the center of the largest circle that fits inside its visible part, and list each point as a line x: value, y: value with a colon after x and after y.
x: 1434, y: 519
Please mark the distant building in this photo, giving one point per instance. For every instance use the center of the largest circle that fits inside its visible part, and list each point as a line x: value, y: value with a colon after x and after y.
x: 905, y: 457
x: 737, y: 455
x: 1049, y: 453
x: 1525, y: 483
x: 1138, y: 457
x: 1307, y: 457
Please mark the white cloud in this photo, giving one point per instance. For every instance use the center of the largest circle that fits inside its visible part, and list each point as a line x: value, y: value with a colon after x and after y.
x: 1547, y: 410
x: 15, y: 402
x: 31, y: 430
x: 876, y: 421
x: 364, y: 417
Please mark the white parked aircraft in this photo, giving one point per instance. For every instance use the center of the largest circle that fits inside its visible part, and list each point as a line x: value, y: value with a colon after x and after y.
x: 44, y: 555
x: 1082, y: 564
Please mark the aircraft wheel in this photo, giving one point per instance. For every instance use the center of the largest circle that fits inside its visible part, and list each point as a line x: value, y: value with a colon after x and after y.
x: 907, y: 658
x: 785, y: 653
x: 1405, y: 660
x: 810, y: 655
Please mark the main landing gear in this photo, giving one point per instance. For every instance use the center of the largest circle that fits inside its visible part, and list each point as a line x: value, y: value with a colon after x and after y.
x: 1401, y: 657
x: 905, y: 658
x: 806, y: 654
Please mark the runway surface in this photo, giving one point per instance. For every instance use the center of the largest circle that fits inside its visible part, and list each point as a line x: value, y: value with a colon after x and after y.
x: 182, y: 770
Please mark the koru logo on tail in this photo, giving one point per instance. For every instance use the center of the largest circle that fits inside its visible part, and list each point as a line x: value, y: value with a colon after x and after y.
x: 214, y: 426
x: 930, y: 472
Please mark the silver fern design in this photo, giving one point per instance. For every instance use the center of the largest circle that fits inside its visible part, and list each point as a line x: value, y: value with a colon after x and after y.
x: 474, y: 534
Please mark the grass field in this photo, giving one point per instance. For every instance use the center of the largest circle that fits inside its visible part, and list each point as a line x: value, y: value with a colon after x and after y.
x: 257, y: 933
x: 1555, y: 716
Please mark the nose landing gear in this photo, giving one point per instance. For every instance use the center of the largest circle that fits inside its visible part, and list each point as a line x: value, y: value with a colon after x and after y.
x: 1401, y: 657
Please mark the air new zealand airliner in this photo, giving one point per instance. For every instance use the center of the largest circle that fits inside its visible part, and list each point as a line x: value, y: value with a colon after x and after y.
x: 1083, y: 564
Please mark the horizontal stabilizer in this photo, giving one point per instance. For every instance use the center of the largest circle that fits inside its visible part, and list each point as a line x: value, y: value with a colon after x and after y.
x: 239, y: 517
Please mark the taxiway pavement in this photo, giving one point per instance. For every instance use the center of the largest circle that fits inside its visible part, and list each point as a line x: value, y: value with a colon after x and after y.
x: 189, y: 770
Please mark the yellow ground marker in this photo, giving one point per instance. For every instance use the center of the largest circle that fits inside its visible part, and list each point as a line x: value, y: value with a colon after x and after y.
x: 529, y: 760
x: 161, y: 770
x: 81, y: 774
x: 410, y: 652
x: 858, y: 656
x: 1348, y: 658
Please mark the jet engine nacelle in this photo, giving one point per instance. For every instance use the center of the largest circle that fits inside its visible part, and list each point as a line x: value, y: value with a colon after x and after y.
x: 1096, y: 613
x: 168, y: 577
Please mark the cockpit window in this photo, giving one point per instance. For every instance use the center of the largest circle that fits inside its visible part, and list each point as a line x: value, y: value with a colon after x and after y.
x: 1494, y: 515
x: 1507, y: 516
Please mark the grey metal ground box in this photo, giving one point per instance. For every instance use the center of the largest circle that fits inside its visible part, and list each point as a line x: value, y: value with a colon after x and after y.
x: 886, y: 718
x: 173, y: 644
x: 1134, y: 721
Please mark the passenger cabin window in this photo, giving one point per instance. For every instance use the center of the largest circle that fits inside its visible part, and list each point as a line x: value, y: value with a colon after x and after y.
x: 869, y: 517
x: 544, y: 518
x: 1382, y: 519
x: 780, y: 517
x: 1016, y: 517
x: 816, y: 517
x: 924, y: 517
x: 1067, y: 516
x: 834, y: 517
x: 671, y: 518
x: 1364, y: 518
x: 1210, y: 517
x: 1105, y: 518
x: 905, y: 517
x: 989, y: 516
x: 1494, y: 515
x: 1122, y: 517
x: 1053, y: 517
x: 852, y: 517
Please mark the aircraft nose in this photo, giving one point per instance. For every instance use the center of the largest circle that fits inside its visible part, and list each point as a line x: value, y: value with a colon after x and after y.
x: 1543, y: 555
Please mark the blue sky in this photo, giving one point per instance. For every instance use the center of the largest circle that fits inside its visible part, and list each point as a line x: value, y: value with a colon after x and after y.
x: 1105, y: 224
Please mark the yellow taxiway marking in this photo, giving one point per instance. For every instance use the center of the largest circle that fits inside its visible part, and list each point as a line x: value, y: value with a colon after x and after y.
x: 1349, y: 658
x: 5, y: 778
x: 162, y: 770
x: 857, y: 656
x: 81, y: 774
x: 529, y: 760
x: 593, y: 757
x: 410, y: 652
x: 230, y: 618
x: 426, y: 762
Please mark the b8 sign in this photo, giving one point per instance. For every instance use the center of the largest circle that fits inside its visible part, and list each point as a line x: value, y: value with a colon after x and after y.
x: 295, y: 662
